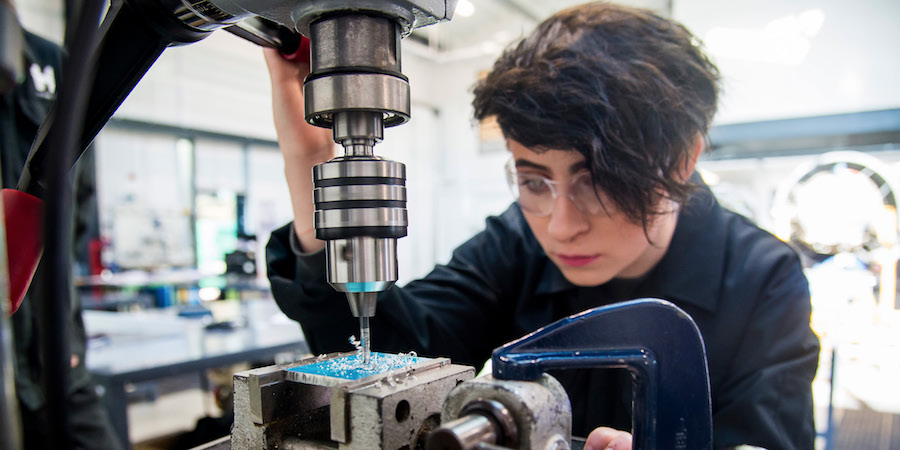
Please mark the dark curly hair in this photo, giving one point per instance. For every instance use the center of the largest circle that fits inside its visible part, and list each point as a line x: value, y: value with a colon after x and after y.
x: 626, y: 88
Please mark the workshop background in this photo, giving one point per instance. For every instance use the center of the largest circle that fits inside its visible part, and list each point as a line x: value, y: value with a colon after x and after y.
x: 806, y: 143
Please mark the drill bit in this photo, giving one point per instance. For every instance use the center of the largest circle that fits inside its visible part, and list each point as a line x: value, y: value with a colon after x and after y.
x: 362, y: 304
x: 365, y: 339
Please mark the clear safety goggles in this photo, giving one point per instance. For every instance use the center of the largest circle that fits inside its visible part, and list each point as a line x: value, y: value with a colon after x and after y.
x: 536, y: 194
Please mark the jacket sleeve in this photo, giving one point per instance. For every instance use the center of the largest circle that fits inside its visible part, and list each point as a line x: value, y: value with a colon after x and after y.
x: 766, y: 398
x: 456, y: 311
x: 300, y: 290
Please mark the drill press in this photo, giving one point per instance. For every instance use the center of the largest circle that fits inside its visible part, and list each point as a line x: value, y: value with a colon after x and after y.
x: 356, y: 88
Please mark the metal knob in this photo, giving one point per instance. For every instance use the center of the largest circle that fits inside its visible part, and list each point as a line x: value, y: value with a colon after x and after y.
x: 481, y: 422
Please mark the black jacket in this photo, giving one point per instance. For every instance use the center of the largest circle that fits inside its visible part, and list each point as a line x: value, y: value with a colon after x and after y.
x: 744, y: 288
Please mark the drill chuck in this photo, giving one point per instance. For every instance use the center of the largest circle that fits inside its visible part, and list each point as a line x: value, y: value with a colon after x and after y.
x: 360, y: 212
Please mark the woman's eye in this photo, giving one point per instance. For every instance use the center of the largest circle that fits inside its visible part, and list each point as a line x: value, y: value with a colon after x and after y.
x: 591, y: 196
x: 533, y: 185
x: 584, y: 183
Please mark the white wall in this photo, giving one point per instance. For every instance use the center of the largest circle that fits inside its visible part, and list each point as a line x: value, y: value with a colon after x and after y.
x: 218, y: 84
x: 470, y: 183
x: 800, y: 58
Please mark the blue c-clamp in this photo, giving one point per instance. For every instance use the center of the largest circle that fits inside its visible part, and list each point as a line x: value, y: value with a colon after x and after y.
x: 655, y: 340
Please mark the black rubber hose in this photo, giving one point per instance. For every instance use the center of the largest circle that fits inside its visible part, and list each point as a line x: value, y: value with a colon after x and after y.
x: 54, y: 294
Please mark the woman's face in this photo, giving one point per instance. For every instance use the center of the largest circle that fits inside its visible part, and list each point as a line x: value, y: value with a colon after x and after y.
x: 590, y: 247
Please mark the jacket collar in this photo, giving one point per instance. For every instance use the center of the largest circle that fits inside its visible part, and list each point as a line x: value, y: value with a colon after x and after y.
x: 691, y: 271
x: 699, y: 240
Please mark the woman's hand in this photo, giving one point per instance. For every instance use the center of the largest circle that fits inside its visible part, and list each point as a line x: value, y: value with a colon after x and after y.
x: 302, y: 145
x: 297, y: 138
x: 604, y: 438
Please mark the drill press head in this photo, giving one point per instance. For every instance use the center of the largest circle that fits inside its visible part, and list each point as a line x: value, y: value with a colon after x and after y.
x: 360, y: 213
x: 356, y: 88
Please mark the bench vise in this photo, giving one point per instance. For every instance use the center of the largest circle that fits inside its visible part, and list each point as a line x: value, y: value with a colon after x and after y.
x: 309, y: 405
x: 427, y: 403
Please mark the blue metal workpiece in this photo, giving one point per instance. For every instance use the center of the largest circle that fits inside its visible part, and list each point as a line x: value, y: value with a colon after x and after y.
x: 351, y: 367
x: 655, y: 340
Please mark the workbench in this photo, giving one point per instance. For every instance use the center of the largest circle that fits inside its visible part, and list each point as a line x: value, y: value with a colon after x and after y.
x: 126, y: 348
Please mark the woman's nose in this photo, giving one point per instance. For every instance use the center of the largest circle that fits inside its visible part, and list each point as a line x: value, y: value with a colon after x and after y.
x: 566, y: 220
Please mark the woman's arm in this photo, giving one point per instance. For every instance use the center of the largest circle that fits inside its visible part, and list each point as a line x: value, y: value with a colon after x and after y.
x: 302, y: 145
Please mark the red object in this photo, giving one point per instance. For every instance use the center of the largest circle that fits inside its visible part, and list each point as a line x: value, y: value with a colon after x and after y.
x: 23, y: 216
x: 95, y: 256
x: 302, y: 53
x: 95, y: 262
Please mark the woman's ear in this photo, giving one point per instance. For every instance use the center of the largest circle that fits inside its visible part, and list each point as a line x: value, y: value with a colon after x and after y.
x: 687, y: 169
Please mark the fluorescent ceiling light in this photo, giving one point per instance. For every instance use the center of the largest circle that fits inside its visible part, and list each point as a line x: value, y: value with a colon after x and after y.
x: 465, y: 8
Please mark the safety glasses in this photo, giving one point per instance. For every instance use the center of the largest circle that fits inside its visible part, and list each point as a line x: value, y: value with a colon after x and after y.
x: 536, y: 194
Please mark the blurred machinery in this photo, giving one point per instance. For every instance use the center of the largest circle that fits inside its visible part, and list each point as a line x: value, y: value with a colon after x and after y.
x: 843, y: 202
x: 243, y: 260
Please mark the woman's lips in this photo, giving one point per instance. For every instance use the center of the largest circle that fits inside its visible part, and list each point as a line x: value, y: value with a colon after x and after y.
x: 577, y: 260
